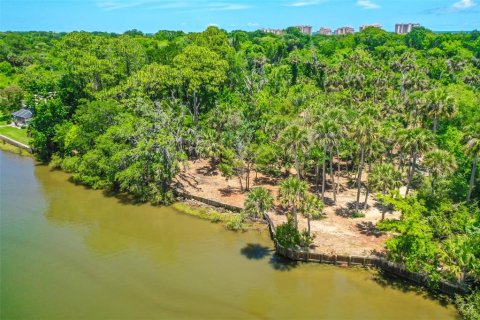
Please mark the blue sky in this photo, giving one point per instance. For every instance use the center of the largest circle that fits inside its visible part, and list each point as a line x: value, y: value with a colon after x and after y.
x: 196, y: 15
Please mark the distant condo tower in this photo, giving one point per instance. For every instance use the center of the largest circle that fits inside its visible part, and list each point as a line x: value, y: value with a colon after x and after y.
x: 274, y: 31
x: 305, y: 29
x: 404, y: 28
x: 344, y: 30
x: 365, y: 26
x: 325, y: 31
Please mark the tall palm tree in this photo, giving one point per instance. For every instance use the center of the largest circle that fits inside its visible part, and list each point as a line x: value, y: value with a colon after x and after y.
x: 439, y: 105
x: 473, y: 149
x: 414, y: 141
x: 327, y: 134
x: 294, y: 139
x: 365, y: 131
x: 440, y: 163
x: 292, y: 193
x: 384, y: 178
x: 258, y: 201
x: 312, y: 208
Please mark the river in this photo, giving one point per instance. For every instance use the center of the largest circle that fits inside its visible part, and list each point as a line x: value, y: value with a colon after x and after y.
x: 68, y: 252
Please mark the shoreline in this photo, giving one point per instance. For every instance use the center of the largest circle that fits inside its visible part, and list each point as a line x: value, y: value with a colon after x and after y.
x: 5, y: 146
x: 206, y: 209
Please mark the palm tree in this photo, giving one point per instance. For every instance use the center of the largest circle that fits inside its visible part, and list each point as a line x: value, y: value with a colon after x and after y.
x: 327, y: 134
x: 258, y: 201
x: 294, y: 139
x: 384, y: 178
x: 312, y: 208
x: 440, y: 163
x: 292, y: 193
x: 365, y: 131
x: 439, y: 105
x: 210, y: 146
x: 415, y: 141
x: 337, y: 116
x: 473, y: 149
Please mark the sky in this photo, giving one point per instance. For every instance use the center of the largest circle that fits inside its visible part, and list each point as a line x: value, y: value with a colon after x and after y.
x: 150, y: 16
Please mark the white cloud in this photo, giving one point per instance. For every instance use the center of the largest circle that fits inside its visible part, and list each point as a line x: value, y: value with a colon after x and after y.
x: 230, y: 6
x: 170, y: 5
x: 304, y: 3
x: 114, y: 5
x: 367, y: 4
x: 463, y: 5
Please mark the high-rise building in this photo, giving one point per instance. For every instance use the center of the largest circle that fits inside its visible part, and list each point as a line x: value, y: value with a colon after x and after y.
x: 404, y: 28
x: 365, y: 26
x: 305, y: 29
x: 344, y: 30
x: 325, y: 31
x: 274, y: 31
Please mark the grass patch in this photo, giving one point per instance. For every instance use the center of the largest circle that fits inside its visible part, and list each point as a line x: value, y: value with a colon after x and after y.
x: 8, y: 147
x: 16, y: 134
x: 231, y: 221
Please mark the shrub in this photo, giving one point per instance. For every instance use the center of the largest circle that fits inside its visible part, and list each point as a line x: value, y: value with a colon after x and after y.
x: 287, y: 236
x: 358, y: 214
x: 469, y: 306
x: 306, y: 239
x: 236, y: 223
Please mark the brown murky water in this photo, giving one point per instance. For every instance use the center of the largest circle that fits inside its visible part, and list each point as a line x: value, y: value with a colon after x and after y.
x: 72, y: 253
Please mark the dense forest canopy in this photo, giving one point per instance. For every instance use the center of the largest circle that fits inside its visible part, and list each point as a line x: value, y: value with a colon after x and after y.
x: 125, y: 112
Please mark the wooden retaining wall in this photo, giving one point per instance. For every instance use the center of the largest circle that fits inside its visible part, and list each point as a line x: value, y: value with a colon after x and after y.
x: 210, y: 202
x: 16, y: 143
x: 389, y: 267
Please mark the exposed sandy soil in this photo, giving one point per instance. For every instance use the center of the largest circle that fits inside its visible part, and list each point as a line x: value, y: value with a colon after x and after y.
x: 337, y: 233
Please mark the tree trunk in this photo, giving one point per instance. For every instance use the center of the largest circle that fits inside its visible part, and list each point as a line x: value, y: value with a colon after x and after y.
x: 332, y: 176
x: 247, y: 178
x: 295, y: 219
x: 366, y: 197
x: 359, y: 178
x: 434, y: 183
x: 195, y: 108
x: 411, y: 171
x: 435, y: 124
x: 472, y: 177
x: 295, y: 157
x: 240, y: 180
x: 324, y: 171
x: 383, y: 206
x: 308, y: 221
x: 400, y: 162
x: 317, y: 177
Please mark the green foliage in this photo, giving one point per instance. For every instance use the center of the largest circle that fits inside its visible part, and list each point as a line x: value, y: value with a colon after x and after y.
x: 48, y: 114
x: 258, y: 202
x: 232, y: 221
x: 287, y: 235
x: 435, y: 237
x: 236, y: 223
x: 358, y: 214
x: 306, y: 239
x: 469, y: 306
x: 10, y: 99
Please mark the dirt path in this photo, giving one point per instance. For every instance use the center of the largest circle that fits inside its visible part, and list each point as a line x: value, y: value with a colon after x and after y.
x: 335, y: 234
